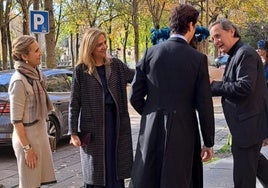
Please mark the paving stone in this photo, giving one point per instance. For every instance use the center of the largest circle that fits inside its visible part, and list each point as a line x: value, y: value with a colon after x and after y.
x: 67, y: 158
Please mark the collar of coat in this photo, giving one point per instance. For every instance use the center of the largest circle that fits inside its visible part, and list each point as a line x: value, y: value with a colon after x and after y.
x: 177, y: 39
x: 235, y: 47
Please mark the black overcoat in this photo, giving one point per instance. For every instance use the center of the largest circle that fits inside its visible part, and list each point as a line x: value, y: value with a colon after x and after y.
x: 244, y: 96
x: 87, y: 115
x: 170, y: 85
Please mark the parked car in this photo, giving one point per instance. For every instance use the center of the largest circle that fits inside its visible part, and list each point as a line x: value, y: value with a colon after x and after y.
x: 58, y: 87
x: 221, y: 60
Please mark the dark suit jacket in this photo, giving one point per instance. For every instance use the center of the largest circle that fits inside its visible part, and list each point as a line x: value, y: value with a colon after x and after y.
x: 170, y: 84
x: 244, y: 95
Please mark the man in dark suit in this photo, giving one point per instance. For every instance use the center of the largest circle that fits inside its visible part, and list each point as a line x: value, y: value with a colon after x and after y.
x: 244, y: 102
x: 170, y: 85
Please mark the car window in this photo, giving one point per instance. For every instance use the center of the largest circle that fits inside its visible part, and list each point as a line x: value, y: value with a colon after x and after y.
x: 58, y: 83
x: 69, y: 78
x: 4, y: 82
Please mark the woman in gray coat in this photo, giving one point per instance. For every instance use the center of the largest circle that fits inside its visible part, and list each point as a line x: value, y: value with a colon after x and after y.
x: 99, y: 121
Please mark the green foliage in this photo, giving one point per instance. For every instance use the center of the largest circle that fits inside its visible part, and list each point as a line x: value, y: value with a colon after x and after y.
x: 224, y: 149
x: 116, y: 18
x: 254, y: 32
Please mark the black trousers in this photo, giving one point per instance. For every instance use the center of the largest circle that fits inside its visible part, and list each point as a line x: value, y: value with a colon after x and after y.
x: 262, y: 171
x: 197, y: 171
x: 249, y: 163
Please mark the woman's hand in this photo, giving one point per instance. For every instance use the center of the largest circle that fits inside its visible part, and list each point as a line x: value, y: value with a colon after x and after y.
x: 31, y: 158
x: 75, y: 140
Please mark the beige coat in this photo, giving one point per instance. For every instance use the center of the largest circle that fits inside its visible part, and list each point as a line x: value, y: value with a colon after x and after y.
x: 21, y: 110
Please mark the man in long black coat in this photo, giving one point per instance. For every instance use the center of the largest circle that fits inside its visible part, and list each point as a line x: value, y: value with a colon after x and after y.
x: 244, y: 102
x: 170, y: 85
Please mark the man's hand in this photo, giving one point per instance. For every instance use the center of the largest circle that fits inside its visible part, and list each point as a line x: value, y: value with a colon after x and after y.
x: 75, y: 140
x: 211, y: 80
x: 206, y: 154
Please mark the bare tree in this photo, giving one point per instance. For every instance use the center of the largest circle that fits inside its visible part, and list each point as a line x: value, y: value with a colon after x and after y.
x: 156, y: 9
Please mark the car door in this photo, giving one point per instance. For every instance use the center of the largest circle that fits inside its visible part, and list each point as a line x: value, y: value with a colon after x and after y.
x: 59, y: 87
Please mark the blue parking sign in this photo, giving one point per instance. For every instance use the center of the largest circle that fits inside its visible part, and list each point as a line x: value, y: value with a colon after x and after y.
x: 39, y: 21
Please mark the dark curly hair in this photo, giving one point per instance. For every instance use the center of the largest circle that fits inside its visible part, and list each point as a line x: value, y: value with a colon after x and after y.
x: 180, y: 17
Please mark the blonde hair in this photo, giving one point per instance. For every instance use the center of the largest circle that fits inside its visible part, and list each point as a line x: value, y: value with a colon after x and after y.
x: 87, y: 46
x: 20, y: 46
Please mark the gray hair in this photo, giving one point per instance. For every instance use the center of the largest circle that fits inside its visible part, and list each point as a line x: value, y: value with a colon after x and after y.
x: 226, y: 25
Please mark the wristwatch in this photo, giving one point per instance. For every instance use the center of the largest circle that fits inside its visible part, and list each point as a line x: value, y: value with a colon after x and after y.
x: 27, y: 147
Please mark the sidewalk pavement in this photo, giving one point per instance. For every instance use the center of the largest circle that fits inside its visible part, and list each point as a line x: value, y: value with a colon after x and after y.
x: 217, y: 174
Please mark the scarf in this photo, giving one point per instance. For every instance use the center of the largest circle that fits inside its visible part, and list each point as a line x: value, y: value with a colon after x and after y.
x: 35, y: 78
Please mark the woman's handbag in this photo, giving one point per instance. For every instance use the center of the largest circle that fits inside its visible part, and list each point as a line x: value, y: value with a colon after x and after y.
x: 85, y: 138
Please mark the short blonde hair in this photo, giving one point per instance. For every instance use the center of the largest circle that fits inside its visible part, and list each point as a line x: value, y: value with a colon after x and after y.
x: 20, y: 46
x: 88, y: 44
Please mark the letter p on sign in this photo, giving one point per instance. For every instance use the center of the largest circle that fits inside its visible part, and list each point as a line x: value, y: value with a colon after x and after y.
x: 39, y: 21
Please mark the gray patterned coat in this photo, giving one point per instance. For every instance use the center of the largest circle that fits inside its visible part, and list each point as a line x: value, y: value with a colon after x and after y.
x: 87, y: 114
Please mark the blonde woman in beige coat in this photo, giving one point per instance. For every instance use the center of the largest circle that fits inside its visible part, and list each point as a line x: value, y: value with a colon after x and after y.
x: 29, y: 106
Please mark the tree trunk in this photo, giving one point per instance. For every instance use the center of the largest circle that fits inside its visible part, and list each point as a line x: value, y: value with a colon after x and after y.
x: 10, y: 48
x: 156, y: 9
x: 58, y: 22
x: 3, y: 37
x: 25, y: 16
x: 7, y: 21
x: 126, y: 26
x: 77, y: 47
x: 135, y: 23
x: 109, y: 34
x: 4, y: 46
x: 36, y: 7
x: 50, y: 37
x: 72, y: 49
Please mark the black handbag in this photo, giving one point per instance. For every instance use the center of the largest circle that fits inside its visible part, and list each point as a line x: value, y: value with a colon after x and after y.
x: 85, y: 138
